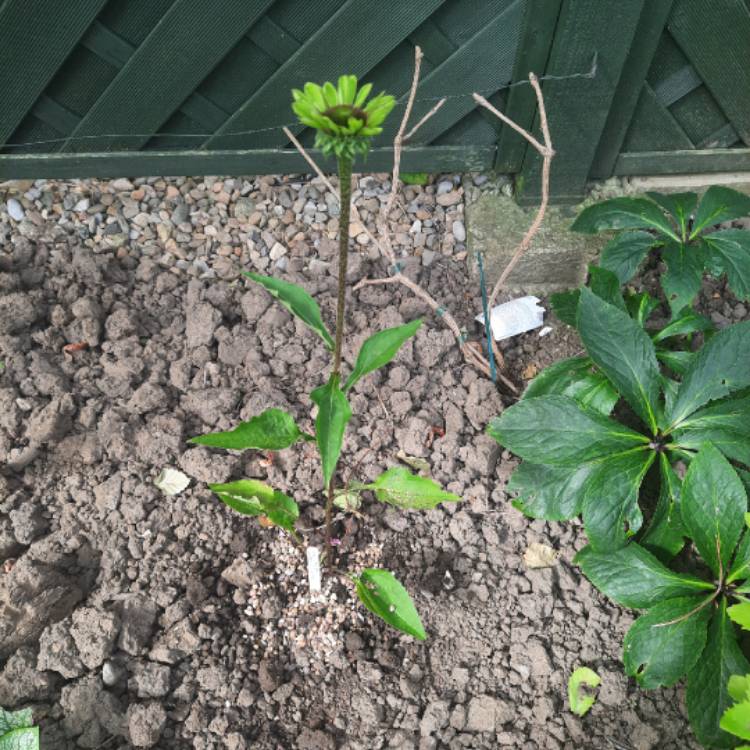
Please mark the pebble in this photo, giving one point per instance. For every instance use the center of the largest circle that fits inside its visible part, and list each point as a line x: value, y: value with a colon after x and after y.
x: 15, y: 210
x: 449, y: 199
x: 111, y: 673
x: 82, y: 205
x: 428, y: 257
x: 459, y: 231
x: 445, y: 186
x: 277, y: 251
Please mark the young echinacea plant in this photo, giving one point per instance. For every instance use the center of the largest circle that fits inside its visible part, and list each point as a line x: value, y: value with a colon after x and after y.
x: 344, y: 125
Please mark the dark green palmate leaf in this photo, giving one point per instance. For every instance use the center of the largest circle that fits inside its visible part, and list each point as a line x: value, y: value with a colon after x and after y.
x: 729, y: 253
x: 383, y: 595
x: 687, y: 322
x: 663, y: 645
x: 380, y: 349
x: 640, y: 305
x: 623, y: 213
x: 682, y: 280
x: 633, y: 577
x: 707, y: 695
x: 605, y: 285
x: 334, y: 413
x: 297, y: 301
x: 725, y: 424
x: 577, y: 378
x: 610, y: 503
x: 550, y: 492
x: 719, y: 368
x: 679, y: 205
x: 399, y: 487
x: 565, y: 306
x: 558, y: 431
x: 624, y: 253
x: 253, y: 498
x: 271, y: 430
x: 665, y: 536
x: 713, y: 507
x: 624, y: 352
x: 717, y: 205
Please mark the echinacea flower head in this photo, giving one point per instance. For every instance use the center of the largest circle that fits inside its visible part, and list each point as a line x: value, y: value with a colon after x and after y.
x: 343, y: 119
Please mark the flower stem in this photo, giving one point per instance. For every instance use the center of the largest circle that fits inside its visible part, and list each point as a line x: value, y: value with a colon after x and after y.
x: 345, y: 199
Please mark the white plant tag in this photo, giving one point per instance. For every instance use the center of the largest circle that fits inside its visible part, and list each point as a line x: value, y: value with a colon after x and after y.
x: 313, y: 569
x: 171, y: 481
x: 514, y: 317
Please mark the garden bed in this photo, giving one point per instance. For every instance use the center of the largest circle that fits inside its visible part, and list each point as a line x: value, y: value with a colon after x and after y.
x: 131, y: 618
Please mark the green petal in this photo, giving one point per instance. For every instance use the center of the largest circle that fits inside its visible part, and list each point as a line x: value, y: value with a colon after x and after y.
x: 315, y: 95
x: 330, y: 94
x: 364, y: 92
x: 347, y: 89
x: 354, y: 124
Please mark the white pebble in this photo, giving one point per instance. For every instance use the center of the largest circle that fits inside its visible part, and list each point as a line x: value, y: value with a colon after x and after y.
x: 277, y: 251
x: 15, y: 210
x: 459, y: 231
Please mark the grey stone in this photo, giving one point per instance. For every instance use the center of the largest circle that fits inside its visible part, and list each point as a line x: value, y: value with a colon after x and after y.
x: 15, y: 210
x: 459, y: 231
x: 556, y: 260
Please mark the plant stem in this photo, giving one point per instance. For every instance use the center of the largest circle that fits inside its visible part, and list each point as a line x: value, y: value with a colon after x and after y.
x: 345, y: 199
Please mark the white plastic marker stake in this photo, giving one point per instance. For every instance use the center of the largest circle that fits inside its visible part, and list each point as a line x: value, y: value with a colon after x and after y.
x: 313, y: 569
x: 514, y: 317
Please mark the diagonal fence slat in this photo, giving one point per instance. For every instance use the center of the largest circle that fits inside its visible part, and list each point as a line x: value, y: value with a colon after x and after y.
x: 35, y: 38
x: 495, y: 45
x: 177, y: 55
x: 727, y: 76
x: 346, y: 43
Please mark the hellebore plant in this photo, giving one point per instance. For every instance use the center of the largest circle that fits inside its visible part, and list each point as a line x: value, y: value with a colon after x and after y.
x: 344, y: 122
x: 678, y: 225
x: 17, y: 731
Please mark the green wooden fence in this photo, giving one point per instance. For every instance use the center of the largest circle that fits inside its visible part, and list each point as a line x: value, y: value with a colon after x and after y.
x: 145, y: 87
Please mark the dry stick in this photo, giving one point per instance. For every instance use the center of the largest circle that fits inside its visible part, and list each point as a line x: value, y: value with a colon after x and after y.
x: 547, y: 153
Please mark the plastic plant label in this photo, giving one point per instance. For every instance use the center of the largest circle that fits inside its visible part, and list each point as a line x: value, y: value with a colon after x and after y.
x: 313, y: 570
x: 514, y: 317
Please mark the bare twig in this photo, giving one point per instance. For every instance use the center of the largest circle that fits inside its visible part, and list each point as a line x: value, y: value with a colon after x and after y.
x: 424, y: 119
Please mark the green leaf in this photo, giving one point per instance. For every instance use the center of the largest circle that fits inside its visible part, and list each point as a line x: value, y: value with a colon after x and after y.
x: 10, y: 720
x: 666, y: 533
x: 687, y: 322
x: 663, y: 645
x: 633, y: 577
x: 254, y: 498
x: 25, y: 738
x: 580, y: 701
x: 380, y: 349
x: 565, y: 306
x: 707, y: 697
x: 721, y: 366
x: 550, y: 492
x: 577, y: 378
x: 680, y: 205
x: 740, y: 613
x: 558, y: 431
x: 333, y: 414
x: 713, y: 507
x: 383, y: 595
x: 729, y: 252
x: 623, y: 213
x: 640, y: 305
x: 605, y: 285
x: 610, y: 506
x: 741, y: 563
x: 719, y: 204
x: 725, y: 424
x: 297, y: 301
x: 415, y: 178
x: 676, y: 361
x: 736, y: 720
x: 682, y: 279
x: 739, y: 687
x: 399, y: 487
x: 624, y: 253
x: 271, y: 430
x: 623, y: 351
